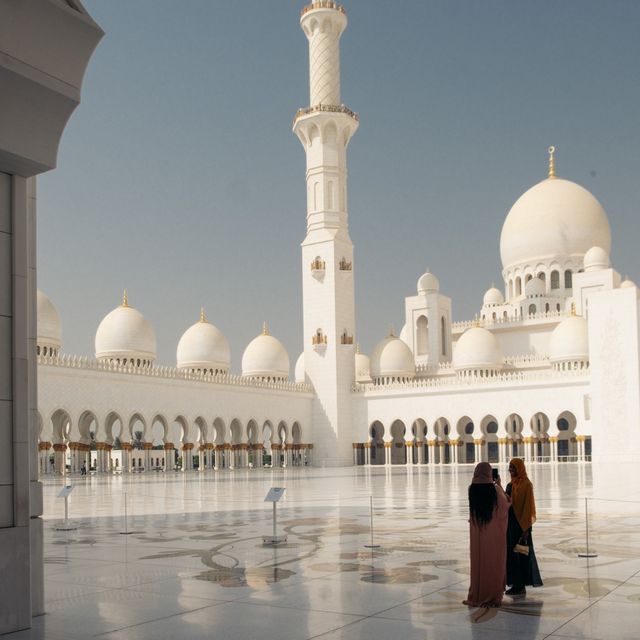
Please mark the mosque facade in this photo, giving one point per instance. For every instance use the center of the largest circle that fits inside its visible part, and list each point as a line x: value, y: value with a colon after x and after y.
x: 549, y: 370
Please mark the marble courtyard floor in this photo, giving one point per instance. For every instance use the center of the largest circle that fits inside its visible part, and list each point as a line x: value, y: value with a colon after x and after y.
x: 194, y: 566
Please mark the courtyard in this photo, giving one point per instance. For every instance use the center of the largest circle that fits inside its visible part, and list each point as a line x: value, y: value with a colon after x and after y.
x: 188, y: 562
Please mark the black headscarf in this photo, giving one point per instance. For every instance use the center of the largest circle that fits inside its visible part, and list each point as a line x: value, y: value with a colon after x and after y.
x: 483, y: 498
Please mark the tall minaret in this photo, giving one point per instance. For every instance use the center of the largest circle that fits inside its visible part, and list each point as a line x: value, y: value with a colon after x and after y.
x: 325, y: 128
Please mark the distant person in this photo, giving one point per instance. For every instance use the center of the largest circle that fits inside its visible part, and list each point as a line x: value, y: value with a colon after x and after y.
x: 83, y: 469
x: 522, y: 566
x: 488, y: 513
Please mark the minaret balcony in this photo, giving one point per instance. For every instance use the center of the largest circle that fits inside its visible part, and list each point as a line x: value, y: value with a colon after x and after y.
x: 318, y: 266
x: 345, y: 265
x: 331, y: 108
x: 319, y: 340
x: 345, y: 338
x: 323, y: 4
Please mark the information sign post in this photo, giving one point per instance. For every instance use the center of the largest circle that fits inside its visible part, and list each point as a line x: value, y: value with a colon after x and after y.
x: 274, y: 495
x: 66, y: 525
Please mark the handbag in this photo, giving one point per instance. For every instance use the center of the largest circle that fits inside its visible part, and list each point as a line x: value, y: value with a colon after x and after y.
x: 521, y: 548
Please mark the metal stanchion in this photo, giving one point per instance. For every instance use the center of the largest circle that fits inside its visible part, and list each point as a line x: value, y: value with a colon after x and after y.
x: 126, y: 531
x: 588, y: 553
x: 372, y: 545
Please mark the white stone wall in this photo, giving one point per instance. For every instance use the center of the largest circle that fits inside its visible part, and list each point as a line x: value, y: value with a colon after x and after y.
x: 614, y: 351
x: 552, y: 397
x: 77, y: 390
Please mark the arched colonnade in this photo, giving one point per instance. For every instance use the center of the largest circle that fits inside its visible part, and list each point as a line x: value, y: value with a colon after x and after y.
x: 540, y: 438
x: 142, y: 443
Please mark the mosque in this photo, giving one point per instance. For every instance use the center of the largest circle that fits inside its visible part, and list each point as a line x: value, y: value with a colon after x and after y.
x: 548, y: 370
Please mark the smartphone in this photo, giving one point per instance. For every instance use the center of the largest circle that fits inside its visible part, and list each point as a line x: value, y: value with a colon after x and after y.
x: 495, y: 474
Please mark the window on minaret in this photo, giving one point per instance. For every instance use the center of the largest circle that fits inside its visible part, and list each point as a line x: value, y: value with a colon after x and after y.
x: 422, y: 336
x: 316, y: 188
x: 330, y: 194
x: 555, y: 280
x: 443, y: 335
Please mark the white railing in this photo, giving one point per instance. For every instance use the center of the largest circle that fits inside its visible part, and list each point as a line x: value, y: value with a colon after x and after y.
x: 85, y: 363
x: 500, y: 379
x: 434, y: 369
x: 488, y: 322
x: 527, y: 360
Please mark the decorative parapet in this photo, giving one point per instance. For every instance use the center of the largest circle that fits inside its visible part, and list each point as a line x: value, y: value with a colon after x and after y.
x: 323, y: 4
x: 530, y: 359
x: 505, y: 378
x: 330, y: 108
x: 434, y: 369
x: 170, y: 373
x: 510, y: 320
x: 526, y: 361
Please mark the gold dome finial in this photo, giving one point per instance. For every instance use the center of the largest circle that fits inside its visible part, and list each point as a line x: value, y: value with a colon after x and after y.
x: 125, y: 299
x: 265, y: 330
x: 203, y: 318
x: 392, y: 331
x: 552, y: 162
x: 476, y: 321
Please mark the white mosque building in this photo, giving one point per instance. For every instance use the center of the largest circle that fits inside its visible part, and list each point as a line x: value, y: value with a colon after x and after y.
x: 548, y: 370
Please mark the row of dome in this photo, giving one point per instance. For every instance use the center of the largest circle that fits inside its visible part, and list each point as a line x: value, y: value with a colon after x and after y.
x: 477, y: 349
x: 126, y: 337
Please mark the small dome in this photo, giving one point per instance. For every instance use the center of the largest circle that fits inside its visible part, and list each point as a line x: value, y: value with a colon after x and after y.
x: 570, y: 340
x: 203, y: 347
x: 595, y: 259
x: 300, y: 373
x: 535, y: 287
x: 627, y: 284
x: 49, y: 327
x: 392, y: 358
x: 125, y: 334
x: 477, y: 348
x: 492, y: 297
x: 265, y: 357
x: 554, y: 220
x: 428, y: 283
x: 363, y: 367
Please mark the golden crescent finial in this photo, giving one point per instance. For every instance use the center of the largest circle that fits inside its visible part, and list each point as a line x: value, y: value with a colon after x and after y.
x: 125, y: 299
x: 552, y: 163
x: 265, y: 330
x: 203, y: 318
x: 392, y: 331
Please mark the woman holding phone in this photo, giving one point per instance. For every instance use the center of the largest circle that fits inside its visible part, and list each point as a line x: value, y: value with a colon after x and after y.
x: 488, y: 509
x: 522, y: 566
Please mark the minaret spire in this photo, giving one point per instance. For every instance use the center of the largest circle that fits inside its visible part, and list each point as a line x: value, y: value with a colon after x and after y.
x: 552, y: 162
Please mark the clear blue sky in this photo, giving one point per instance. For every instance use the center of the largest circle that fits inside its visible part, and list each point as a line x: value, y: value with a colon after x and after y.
x: 179, y: 178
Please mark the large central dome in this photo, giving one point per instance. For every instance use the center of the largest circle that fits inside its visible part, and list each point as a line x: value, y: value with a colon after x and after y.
x: 554, y: 220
